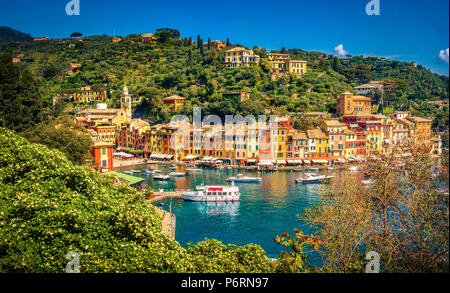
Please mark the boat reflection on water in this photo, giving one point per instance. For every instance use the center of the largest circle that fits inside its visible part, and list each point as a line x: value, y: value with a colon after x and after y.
x: 218, y: 208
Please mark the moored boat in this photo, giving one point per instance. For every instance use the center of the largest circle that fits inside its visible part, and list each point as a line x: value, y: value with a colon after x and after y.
x: 162, y: 177
x: 177, y: 174
x: 244, y: 179
x: 213, y: 193
x: 313, y: 178
x: 354, y: 169
x: 193, y: 170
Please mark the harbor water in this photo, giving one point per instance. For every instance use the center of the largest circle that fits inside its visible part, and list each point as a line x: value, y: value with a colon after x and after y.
x: 264, y: 211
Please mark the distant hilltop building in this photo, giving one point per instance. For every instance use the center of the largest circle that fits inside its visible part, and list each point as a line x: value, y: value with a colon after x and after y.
x: 148, y: 38
x: 116, y: 40
x: 282, y: 63
x: 347, y: 104
x: 88, y: 95
x: 216, y: 44
x: 41, y: 39
x: 367, y: 88
x: 400, y: 114
x: 176, y: 102
x: 240, y: 57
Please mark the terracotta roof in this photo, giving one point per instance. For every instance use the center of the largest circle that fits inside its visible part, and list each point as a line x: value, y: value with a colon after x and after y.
x: 174, y: 97
x: 334, y: 123
x: 316, y: 133
x: 418, y: 119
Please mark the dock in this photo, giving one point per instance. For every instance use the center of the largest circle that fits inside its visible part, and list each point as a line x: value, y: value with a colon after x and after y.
x: 159, y: 196
x: 168, y: 222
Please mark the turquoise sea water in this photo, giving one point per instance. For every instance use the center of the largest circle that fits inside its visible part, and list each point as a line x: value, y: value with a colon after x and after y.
x: 264, y: 211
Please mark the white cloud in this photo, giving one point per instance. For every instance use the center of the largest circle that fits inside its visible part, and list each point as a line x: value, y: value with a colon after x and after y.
x: 340, y: 51
x: 443, y: 54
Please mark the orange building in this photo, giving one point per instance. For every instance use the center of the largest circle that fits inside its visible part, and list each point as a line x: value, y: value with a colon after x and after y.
x: 102, y: 152
x: 349, y: 104
x: 176, y: 102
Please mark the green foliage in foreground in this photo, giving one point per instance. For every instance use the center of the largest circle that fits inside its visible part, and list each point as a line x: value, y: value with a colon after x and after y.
x: 49, y: 207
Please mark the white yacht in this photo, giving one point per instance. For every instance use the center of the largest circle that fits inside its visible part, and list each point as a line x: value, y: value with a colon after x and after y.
x: 213, y: 193
x: 354, y: 169
x: 244, y: 179
x: 161, y: 177
x: 313, y: 178
x: 177, y: 174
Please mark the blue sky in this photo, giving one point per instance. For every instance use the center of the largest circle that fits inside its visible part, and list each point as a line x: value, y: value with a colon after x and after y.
x: 405, y: 30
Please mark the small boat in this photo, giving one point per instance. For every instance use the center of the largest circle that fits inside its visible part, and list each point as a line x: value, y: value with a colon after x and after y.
x: 177, y: 174
x: 128, y: 172
x: 330, y: 168
x: 244, y: 179
x: 162, y: 204
x: 367, y: 182
x: 154, y: 171
x: 174, y: 167
x: 354, y: 169
x: 313, y: 178
x: 151, y: 172
x: 298, y: 170
x: 314, y: 169
x: 230, y: 168
x: 136, y: 171
x: 144, y: 170
x: 214, y: 193
x: 162, y: 177
x: 193, y: 170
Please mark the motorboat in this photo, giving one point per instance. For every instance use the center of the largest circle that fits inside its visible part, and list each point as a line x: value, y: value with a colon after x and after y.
x: 136, y: 171
x: 128, y: 172
x: 177, y: 174
x: 162, y: 177
x: 240, y: 178
x: 174, y: 167
x: 193, y: 170
x: 367, y: 182
x: 354, y: 169
x: 313, y: 178
x: 213, y: 193
x: 314, y: 169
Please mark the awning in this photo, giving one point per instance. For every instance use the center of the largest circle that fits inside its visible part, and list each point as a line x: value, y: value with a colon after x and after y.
x: 307, y: 161
x: 266, y: 163
x: 320, y: 161
x: 251, y: 161
x: 297, y: 161
x: 190, y: 157
x: 281, y: 161
x: 340, y: 160
x: 290, y: 161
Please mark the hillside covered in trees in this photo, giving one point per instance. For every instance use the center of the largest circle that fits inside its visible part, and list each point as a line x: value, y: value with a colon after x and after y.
x: 194, y: 70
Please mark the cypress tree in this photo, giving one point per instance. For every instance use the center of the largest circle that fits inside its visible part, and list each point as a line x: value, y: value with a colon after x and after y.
x: 20, y: 101
x: 209, y: 43
x: 228, y: 42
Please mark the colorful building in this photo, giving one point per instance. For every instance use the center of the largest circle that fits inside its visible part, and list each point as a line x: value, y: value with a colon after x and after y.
x: 349, y: 104
x: 88, y: 95
x: 282, y: 63
x: 102, y: 152
x: 240, y: 57
x: 176, y: 102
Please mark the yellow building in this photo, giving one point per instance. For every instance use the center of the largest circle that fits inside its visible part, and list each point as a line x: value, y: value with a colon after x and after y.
x: 282, y: 63
x: 419, y: 131
x: 176, y: 102
x: 87, y: 95
x: 349, y: 104
x: 148, y: 38
x: 240, y: 57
